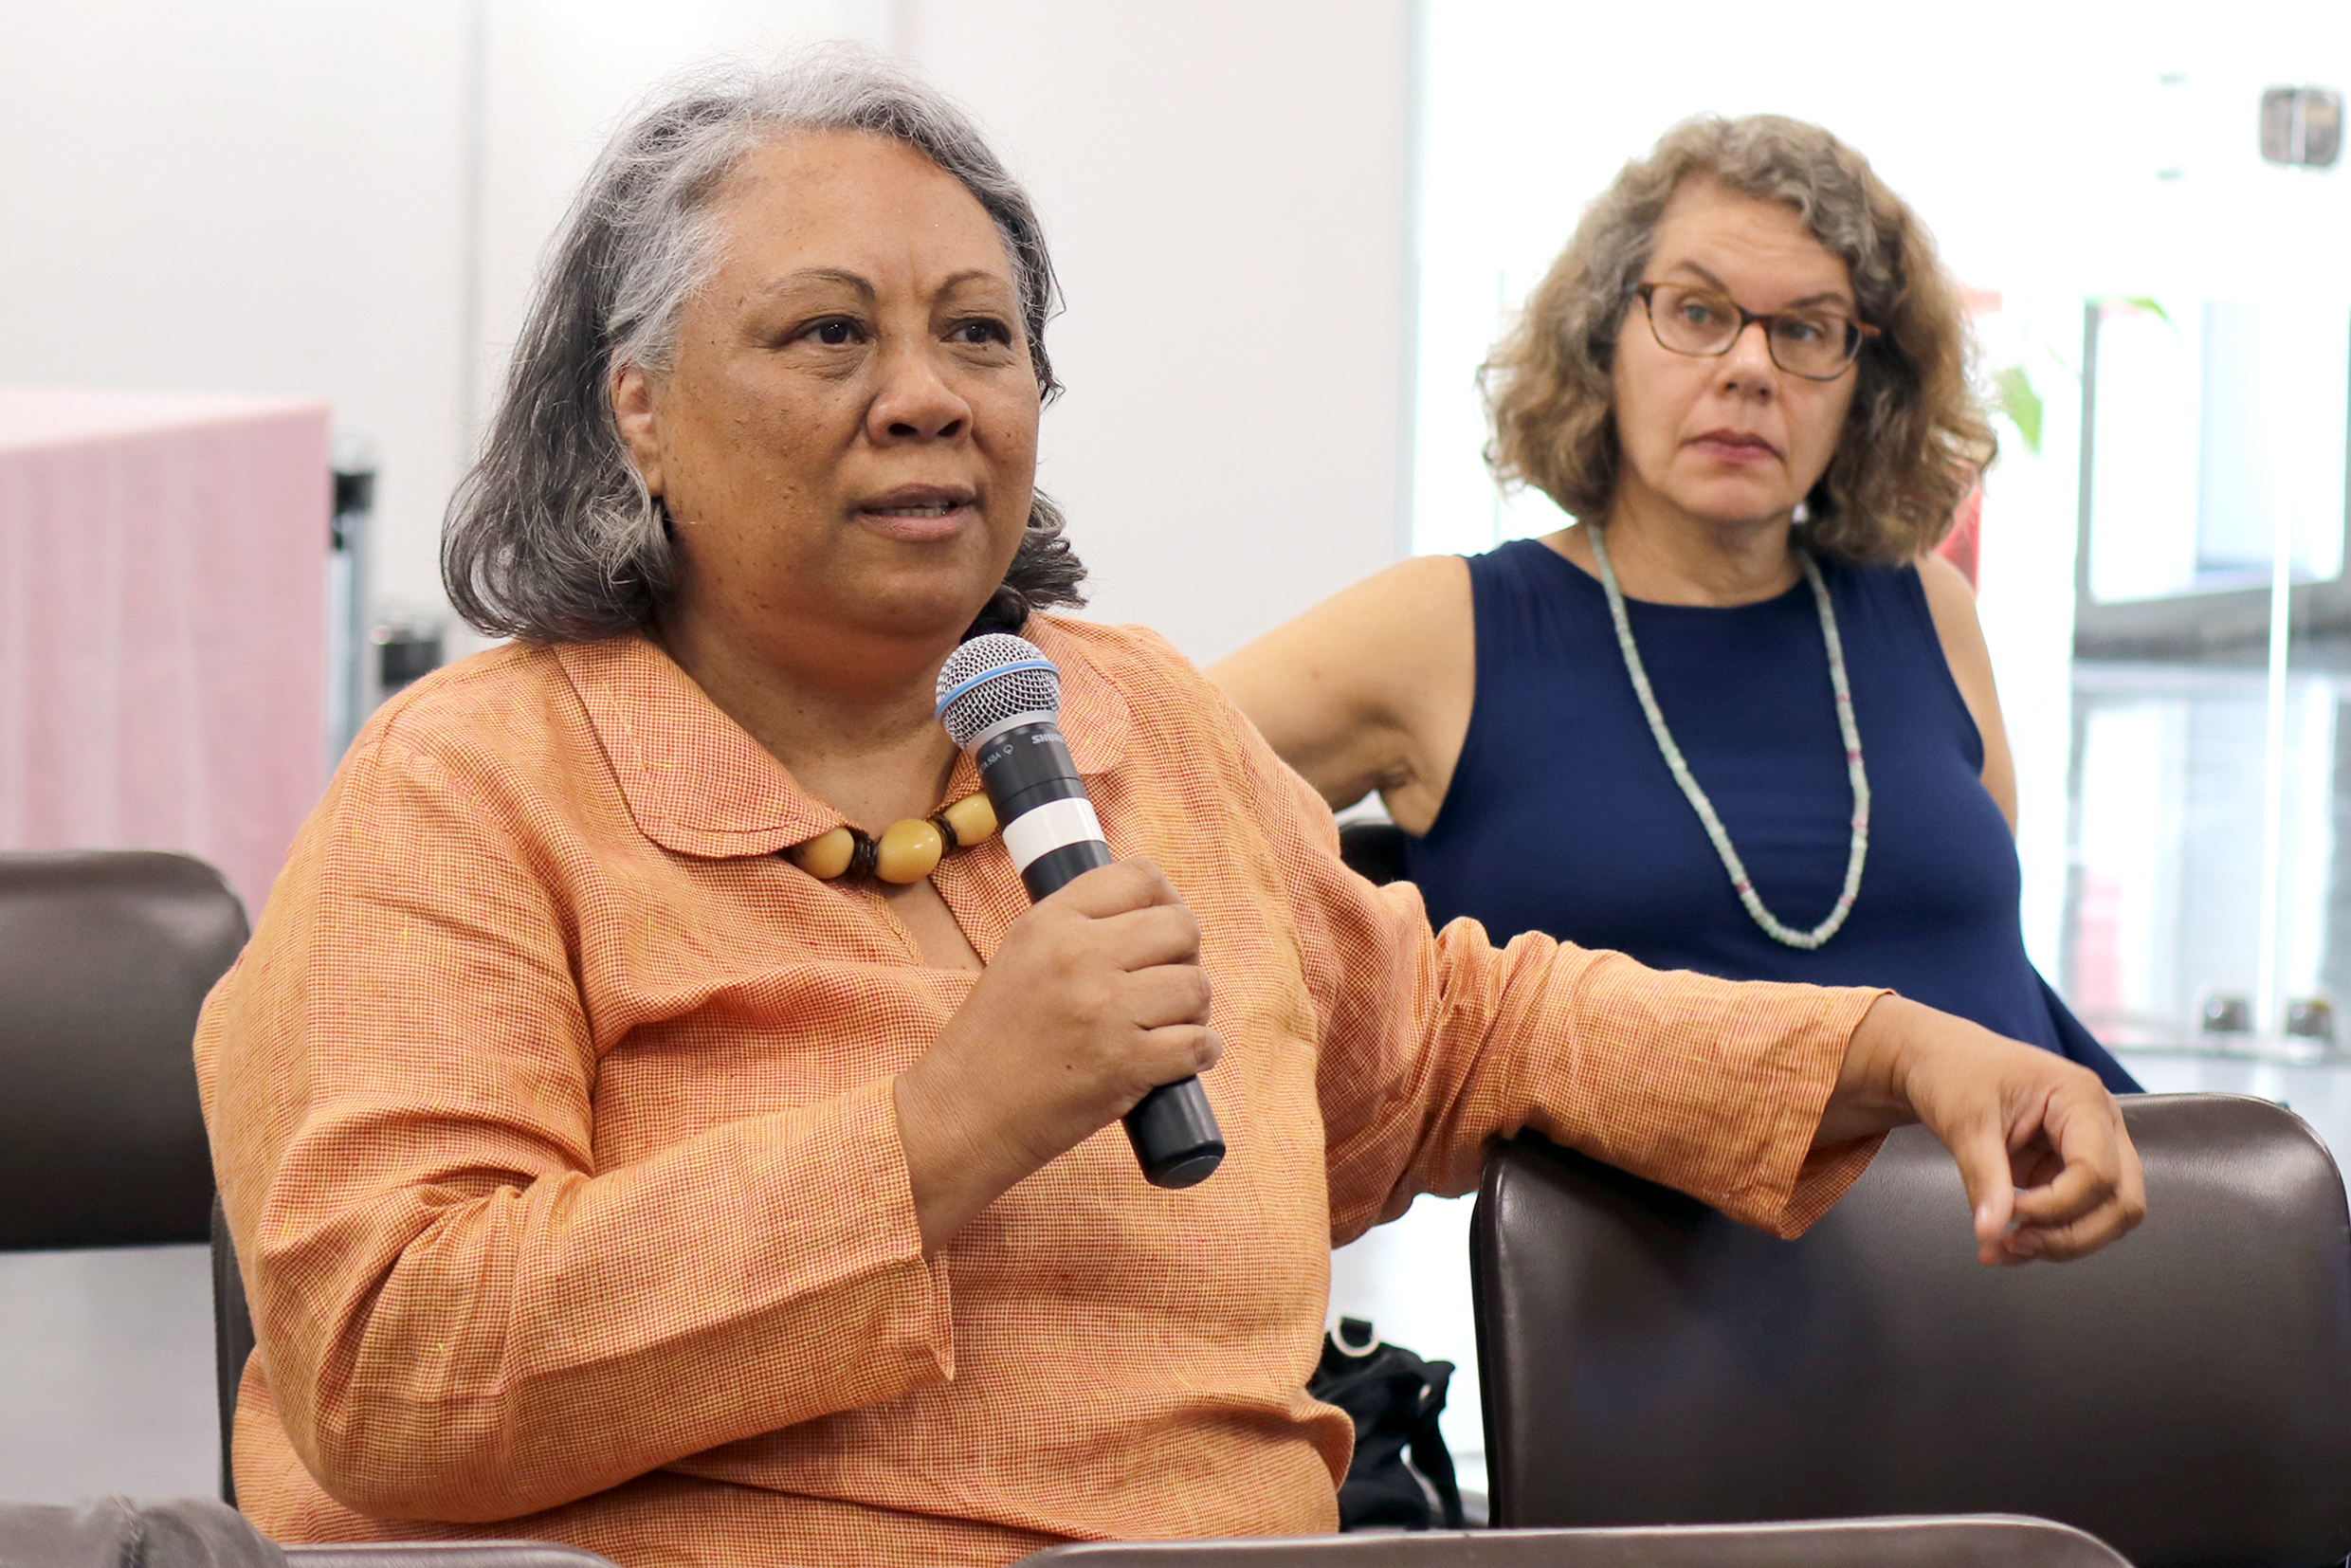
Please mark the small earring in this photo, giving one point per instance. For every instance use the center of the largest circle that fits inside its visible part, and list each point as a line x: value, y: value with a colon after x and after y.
x: 1803, y: 513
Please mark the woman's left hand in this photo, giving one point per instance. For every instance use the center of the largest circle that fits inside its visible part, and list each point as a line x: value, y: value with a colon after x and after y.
x: 2048, y: 1166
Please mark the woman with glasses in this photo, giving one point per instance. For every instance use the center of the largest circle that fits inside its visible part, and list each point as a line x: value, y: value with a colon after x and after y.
x: 1735, y: 717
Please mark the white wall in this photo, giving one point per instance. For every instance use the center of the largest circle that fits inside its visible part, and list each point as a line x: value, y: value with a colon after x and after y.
x: 558, y: 76
x: 259, y: 196
x: 1224, y: 184
x: 349, y: 201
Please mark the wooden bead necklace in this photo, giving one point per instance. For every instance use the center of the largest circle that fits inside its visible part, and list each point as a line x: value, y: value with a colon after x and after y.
x: 1741, y: 883
x: 907, y: 850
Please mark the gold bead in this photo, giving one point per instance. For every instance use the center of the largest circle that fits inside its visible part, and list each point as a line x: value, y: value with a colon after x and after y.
x: 826, y: 855
x: 909, y: 850
x: 973, y: 819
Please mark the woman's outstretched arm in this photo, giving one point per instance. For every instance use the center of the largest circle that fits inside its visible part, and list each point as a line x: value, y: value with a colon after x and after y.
x: 1764, y: 1100
x: 1370, y: 690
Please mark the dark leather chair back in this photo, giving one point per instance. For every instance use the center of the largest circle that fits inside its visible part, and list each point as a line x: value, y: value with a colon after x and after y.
x: 447, y: 1553
x: 1986, y: 1541
x: 233, y: 1342
x: 105, y: 955
x: 2184, y: 1395
x: 199, y: 1533
x: 1374, y: 850
x: 115, y: 1532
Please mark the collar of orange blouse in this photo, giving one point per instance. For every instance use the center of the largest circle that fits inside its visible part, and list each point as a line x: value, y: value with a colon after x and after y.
x: 696, y: 784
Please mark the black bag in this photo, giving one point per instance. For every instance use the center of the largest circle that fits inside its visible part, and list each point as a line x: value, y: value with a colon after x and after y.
x: 1394, y: 1399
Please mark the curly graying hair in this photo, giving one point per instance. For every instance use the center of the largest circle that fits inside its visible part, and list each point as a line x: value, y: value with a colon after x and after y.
x: 552, y: 537
x: 1915, y: 439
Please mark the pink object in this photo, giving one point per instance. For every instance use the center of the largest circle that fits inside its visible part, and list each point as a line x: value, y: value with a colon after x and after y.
x: 162, y: 624
x: 1962, y: 545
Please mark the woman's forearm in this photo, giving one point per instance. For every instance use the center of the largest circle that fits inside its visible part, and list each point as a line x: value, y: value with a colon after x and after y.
x: 445, y: 1346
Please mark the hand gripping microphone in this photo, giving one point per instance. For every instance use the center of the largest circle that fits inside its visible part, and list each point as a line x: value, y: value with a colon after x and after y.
x: 1000, y: 698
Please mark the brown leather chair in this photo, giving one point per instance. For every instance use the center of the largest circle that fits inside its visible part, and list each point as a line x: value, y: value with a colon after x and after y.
x: 105, y: 955
x: 199, y: 1533
x: 233, y: 1342
x: 105, y: 958
x: 1981, y: 1542
x: 2184, y: 1395
x: 1374, y: 850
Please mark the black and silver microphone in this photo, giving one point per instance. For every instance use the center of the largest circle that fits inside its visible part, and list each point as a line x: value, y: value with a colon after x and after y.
x: 1000, y: 698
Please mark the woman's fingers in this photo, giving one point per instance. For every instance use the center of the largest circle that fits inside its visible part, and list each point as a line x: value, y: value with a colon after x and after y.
x: 1980, y: 1151
x: 1170, y: 993
x: 1117, y: 890
x: 2074, y: 1212
x: 1181, y: 1050
x: 1129, y: 912
x: 1140, y: 938
x: 2082, y: 1177
x: 2098, y: 1195
x: 2036, y: 1164
x: 2011, y: 1115
x: 2082, y: 1127
x: 2074, y: 1188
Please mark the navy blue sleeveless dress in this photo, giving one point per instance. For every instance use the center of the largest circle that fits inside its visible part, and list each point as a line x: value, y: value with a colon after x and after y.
x: 1562, y: 816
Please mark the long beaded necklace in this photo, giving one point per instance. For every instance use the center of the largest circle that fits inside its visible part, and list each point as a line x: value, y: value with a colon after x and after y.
x: 1697, y: 797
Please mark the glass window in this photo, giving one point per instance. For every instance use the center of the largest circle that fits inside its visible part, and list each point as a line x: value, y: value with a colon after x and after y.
x: 2165, y: 323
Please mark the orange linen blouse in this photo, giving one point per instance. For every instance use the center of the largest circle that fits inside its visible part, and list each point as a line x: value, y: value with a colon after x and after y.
x: 552, y: 1115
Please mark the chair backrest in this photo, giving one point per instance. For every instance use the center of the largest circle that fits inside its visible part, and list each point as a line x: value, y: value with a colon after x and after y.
x: 2184, y: 1395
x: 1373, y: 849
x: 193, y: 1532
x: 233, y: 1343
x: 1981, y: 1542
x: 105, y: 956
x: 447, y: 1553
x: 198, y: 1533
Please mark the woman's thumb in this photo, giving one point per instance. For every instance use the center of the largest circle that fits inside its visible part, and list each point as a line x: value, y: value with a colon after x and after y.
x: 1981, y: 1154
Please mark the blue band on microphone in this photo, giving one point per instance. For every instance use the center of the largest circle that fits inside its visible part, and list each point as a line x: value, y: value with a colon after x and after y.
x: 987, y: 676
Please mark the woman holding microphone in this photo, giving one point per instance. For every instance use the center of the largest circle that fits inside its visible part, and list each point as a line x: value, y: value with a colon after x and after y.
x: 610, y: 1162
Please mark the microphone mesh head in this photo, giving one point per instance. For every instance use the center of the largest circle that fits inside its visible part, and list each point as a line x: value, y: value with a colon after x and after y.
x: 992, y: 679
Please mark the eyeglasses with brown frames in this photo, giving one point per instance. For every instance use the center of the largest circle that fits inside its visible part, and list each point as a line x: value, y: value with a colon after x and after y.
x: 1814, y: 344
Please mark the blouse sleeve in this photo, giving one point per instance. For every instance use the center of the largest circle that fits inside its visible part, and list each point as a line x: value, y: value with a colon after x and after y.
x: 1434, y: 1045
x: 460, y: 1316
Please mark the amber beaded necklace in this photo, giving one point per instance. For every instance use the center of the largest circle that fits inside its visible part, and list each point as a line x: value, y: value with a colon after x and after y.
x: 908, y: 850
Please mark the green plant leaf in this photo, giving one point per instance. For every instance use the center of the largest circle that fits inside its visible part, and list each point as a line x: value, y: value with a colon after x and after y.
x: 2014, y: 390
x: 2147, y: 303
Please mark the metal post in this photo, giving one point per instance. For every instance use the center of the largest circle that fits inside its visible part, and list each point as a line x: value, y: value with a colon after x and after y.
x: 348, y: 693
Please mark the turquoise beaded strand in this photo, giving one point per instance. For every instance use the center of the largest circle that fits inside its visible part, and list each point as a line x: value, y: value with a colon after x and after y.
x: 1772, y: 926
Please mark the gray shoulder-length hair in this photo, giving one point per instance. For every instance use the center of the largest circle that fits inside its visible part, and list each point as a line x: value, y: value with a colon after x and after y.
x: 552, y: 537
